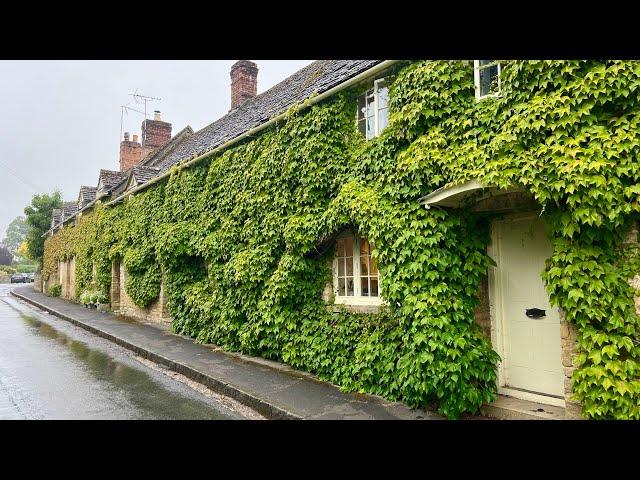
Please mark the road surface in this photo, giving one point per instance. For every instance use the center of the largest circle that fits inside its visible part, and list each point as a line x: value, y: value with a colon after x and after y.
x: 51, y: 369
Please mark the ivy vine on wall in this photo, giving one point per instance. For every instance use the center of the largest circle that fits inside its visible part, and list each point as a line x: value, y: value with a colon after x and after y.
x: 233, y: 235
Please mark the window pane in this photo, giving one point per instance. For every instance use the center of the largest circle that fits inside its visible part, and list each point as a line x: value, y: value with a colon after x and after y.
x: 341, y: 267
x: 374, y: 287
x: 341, y: 287
x: 340, y: 248
x: 364, y: 246
x: 362, y: 127
x: 374, y: 266
x: 371, y: 128
x: 364, y: 267
x: 482, y: 63
x: 383, y: 93
x: 488, y: 80
x: 349, y: 287
x: 383, y: 119
x: 364, y: 286
x: 370, y: 104
x: 348, y: 245
x: 349, y: 261
x: 361, y: 106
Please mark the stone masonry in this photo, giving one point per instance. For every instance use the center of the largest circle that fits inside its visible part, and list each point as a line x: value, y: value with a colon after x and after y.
x: 157, y: 312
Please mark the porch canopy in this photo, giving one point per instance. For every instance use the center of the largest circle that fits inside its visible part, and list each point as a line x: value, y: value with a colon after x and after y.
x: 456, y: 196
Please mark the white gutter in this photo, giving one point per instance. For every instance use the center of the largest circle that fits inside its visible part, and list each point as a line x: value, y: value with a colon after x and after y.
x: 251, y: 132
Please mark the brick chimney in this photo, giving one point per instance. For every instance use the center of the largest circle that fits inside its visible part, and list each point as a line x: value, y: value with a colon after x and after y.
x: 155, y: 133
x: 244, y: 82
x: 130, y: 152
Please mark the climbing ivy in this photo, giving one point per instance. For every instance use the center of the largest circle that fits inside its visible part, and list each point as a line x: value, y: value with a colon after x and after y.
x: 236, y: 236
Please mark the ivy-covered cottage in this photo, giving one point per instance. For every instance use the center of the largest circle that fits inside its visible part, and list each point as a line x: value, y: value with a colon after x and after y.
x: 436, y: 232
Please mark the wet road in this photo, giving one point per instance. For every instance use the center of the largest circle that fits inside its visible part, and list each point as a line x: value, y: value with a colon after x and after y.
x: 51, y: 369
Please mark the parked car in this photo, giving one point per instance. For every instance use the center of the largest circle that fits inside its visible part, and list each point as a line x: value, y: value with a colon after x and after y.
x: 19, y: 278
x: 31, y: 277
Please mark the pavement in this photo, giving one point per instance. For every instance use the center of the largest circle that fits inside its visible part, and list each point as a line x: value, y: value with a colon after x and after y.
x: 275, y: 390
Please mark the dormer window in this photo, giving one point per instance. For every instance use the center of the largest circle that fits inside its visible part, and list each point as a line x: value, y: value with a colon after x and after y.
x: 355, y: 272
x: 487, y: 78
x: 373, y: 111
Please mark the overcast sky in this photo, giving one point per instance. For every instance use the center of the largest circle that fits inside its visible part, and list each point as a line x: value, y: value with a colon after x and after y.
x: 60, y: 120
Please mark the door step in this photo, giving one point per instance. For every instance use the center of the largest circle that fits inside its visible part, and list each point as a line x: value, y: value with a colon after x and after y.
x: 509, y: 408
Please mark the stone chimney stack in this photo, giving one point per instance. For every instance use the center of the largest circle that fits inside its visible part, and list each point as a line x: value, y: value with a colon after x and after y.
x: 130, y: 152
x: 244, y: 82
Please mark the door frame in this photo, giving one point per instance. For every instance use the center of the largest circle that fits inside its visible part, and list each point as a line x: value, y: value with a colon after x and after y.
x: 496, y: 310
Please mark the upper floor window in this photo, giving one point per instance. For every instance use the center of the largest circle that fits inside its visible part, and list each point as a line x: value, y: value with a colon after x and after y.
x: 487, y: 78
x: 355, y: 272
x: 373, y: 111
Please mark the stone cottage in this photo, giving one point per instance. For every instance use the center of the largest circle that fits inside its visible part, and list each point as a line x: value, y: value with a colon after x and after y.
x: 512, y: 306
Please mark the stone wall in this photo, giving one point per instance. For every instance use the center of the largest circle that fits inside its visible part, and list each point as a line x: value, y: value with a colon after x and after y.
x: 482, y: 312
x: 71, y: 287
x: 67, y: 278
x: 568, y: 339
x: 37, y: 282
x: 62, y: 277
x: 114, y: 292
x: 53, y: 278
x: 157, y: 312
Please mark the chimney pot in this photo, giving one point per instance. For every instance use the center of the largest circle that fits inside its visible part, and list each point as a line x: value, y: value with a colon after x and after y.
x: 244, y: 82
x: 130, y: 152
x: 156, y: 115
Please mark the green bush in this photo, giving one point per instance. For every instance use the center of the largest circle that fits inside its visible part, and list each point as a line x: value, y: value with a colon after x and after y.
x: 25, y: 267
x: 93, y: 297
x: 7, y: 270
x: 55, y: 290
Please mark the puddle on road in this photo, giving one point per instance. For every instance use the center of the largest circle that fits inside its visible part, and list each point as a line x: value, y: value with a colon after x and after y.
x: 149, y: 397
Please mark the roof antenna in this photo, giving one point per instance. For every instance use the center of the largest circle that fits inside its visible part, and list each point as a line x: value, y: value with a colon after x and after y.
x: 125, y: 108
x: 138, y: 97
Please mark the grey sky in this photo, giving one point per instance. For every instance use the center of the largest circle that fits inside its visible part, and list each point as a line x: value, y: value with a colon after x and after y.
x: 60, y: 120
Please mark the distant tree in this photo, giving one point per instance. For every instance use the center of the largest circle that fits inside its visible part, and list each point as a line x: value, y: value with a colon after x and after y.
x: 23, y: 250
x: 39, y: 221
x: 5, y: 255
x: 16, y: 233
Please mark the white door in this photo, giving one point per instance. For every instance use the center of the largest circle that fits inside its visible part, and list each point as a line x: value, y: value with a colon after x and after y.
x: 530, y: 346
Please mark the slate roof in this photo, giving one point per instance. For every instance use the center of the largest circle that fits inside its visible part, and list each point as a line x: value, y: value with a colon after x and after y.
x: 86, y: 195
x: 110, y: 178
x: 319, y: 77
x: 160, y: 154
x: 55, y: 217
x: 69, y: 209
x: 142, y: 174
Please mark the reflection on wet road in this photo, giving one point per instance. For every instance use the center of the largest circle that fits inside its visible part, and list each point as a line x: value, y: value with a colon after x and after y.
x: 50, y: 369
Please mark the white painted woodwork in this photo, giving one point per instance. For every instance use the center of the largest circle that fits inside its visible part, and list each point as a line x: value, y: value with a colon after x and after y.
x: 530, y: 348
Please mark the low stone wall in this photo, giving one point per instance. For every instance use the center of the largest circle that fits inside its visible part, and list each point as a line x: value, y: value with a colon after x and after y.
x: 5, y: 278
x: 37, y: 282
x: 54, y: 278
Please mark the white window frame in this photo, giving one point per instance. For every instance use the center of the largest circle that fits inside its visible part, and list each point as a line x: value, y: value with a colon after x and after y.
x: 476, y: 78
x: 357, y: 298
x: 376, y: 117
